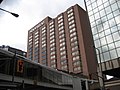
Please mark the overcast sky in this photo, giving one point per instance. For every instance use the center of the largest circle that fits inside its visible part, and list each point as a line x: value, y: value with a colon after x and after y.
x: 14, y: 31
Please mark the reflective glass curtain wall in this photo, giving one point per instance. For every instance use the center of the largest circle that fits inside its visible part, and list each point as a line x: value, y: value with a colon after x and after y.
x: 104, y: 17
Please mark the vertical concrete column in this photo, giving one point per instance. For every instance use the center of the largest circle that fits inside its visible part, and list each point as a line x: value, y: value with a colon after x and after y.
x: 86, y: 84
x: 77, y: 83
x: 101, y: 80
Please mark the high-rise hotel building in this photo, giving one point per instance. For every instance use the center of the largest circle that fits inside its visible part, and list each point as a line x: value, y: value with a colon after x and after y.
x: 104, y: 17
x: 63, y: 43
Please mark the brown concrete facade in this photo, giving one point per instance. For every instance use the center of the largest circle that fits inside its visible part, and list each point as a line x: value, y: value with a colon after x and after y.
x: 64, y: 43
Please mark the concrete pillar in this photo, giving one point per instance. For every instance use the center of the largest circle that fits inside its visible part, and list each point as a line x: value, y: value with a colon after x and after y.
x: 77, y: 83
x: 86, y: 84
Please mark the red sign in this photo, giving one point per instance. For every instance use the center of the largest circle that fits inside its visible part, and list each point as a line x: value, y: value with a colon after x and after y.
x: 20, y: 64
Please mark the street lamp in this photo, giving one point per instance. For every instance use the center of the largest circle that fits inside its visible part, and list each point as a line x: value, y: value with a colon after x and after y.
x: 102, y: 77
x: 1, y: 1
x: 14, y: 14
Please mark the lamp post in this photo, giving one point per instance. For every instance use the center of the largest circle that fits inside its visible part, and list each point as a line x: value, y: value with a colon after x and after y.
x: 14, y: 14
x: 100, y: 64
x: 1, y: 1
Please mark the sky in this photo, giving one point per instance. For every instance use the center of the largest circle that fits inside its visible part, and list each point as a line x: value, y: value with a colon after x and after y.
x: 14, y: 31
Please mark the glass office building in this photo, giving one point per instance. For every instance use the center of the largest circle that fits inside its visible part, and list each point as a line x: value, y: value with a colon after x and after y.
x: 104, y: 17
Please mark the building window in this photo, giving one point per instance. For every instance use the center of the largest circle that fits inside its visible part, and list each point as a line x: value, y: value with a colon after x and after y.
x: 71, y: 22
x: 69, y: 11
x: 44, y: 48
x: 51, y: 26
x: 71, y: 18
x: 60, y: 24
x: 43, y: 38
x: 77, y: 68
x: 74, y: 48
x: 44, y: 62
x: 61, y: 32
x: 70, y: 14
x: 53, y: 66
x: 51, y: 37
x: 63, y: 57
x: 63, y: 62
x: 62, y: 44
x: 36, y: 45
x: 51, y: 22
x: 43, y: 28
x: 62, y: 35
x: 30, y: 43
x: 44, y: 52
x: 62, y: 40
x: 52, y: 57
x: 36, y: 39
x: 36, y: 42
x: 64, y: 67
x: 62, y: 48
x: 75, y: 53
x: 61, y: 28
x: 53, y: 40
x: 51, y: 30
x: 43, y: 35
x: 43, y: 31
x: 74, y: 43
x: 52, y: 33
x: 44, y: 57
x: 61, y: 20
x: 73, y: 39
x: 62, y: 53
x: 53, y: 48
x: 71, y: 26
x: 76, y: 58
x: 30, y: 40
x: 60, y: 17
x: 43, y: 45
x: 53, y: 44
x: 30, y: 37
x: 44, y: 41
x: 36, y: 36
x: 73, y: 34
x: 53, y: 61
x: 52, y: 53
